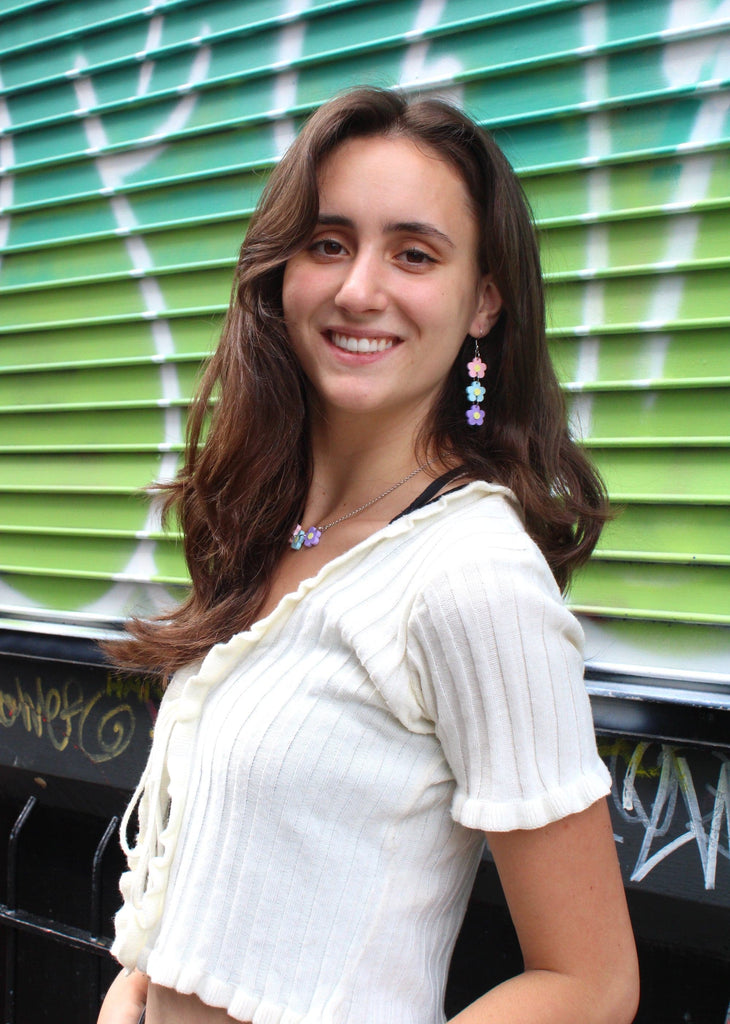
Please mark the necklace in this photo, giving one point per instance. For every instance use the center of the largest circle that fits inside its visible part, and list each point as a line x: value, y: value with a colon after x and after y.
x: 310, y: 538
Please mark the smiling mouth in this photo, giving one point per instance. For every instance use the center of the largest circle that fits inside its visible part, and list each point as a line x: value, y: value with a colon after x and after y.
x: 365, y: 345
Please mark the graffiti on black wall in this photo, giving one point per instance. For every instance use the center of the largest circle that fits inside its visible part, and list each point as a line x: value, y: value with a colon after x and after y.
x: 75, y: 721
x: 670, y: 805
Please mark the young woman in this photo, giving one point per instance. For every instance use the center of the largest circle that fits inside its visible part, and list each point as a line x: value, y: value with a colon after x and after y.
x: 375, y: 668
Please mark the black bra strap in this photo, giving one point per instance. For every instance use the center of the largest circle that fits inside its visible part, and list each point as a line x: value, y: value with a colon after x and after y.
x: 433, y: 488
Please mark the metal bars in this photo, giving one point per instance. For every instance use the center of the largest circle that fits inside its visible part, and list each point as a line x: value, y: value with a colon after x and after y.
x: 14, y: 919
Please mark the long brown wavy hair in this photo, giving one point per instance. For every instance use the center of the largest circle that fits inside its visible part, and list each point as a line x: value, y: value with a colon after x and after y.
x: 244, y: 478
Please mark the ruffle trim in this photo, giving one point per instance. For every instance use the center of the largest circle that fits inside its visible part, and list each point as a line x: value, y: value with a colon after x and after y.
x: 238, y: 1003
x: 537, y: 812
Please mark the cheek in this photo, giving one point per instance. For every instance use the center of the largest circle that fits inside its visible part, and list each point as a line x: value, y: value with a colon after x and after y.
x: 302, y: 295
x: 289, y: 290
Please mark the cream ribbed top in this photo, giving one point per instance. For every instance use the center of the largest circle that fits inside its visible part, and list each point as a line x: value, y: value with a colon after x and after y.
x: 310, y: 812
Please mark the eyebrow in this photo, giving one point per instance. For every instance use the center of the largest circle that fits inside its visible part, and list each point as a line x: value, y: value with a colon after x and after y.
x: 408, y: 227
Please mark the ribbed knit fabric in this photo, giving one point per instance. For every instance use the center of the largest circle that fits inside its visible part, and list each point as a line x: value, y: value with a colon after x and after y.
x: 311, y: 813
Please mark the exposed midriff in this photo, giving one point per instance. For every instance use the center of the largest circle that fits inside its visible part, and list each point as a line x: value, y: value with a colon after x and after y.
x: 165, y: 1006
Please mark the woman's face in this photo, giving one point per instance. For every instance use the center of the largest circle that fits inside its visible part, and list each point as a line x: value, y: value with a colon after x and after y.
x: 378, y: 303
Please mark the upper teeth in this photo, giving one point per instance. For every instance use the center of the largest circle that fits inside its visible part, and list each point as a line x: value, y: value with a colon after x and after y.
x: 361, y: 344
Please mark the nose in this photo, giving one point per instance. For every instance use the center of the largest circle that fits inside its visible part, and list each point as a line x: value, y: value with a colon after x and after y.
x: 363, y: 287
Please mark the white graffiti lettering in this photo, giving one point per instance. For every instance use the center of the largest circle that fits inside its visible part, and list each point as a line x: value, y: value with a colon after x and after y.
x: 675, y: 795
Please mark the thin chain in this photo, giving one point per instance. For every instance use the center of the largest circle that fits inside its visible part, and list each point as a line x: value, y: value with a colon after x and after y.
x: 394, y: 487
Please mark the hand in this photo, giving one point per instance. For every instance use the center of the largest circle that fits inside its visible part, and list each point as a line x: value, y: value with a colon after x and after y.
x: 125, y: 1000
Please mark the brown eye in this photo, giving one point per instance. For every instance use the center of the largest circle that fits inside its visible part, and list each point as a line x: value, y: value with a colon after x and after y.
x: 328, y: 247
x: 416, y: 257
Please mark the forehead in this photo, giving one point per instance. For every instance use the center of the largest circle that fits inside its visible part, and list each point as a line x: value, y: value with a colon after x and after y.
x: 397, y: 177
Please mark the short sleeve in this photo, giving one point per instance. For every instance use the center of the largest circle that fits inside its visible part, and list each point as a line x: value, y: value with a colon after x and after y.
x: 497, y: 663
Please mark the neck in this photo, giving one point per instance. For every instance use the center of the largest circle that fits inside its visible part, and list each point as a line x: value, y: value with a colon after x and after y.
x: 354, y: 457
x: 364, y: 474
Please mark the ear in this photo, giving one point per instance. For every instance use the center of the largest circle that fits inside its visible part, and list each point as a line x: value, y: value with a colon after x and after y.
x: 488, y: 309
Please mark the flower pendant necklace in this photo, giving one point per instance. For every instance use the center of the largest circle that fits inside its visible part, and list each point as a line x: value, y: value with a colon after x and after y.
x: 310, y: 538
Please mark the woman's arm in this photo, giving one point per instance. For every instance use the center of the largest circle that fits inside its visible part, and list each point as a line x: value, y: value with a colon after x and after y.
x: 125, y: 999
x: 565, y: 894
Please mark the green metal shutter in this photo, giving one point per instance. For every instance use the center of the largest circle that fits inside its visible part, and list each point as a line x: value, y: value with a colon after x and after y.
x: 135, y: 140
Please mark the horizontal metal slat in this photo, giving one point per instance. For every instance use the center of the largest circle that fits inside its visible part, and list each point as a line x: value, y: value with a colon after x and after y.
x: 697, y: 593
x: 80, y: 447
x: 181, y: 30
x: 234, y: 151
x: 668, y: 533
x: 66, y: 21
x: 123, y: 473
x: 192, y: 248
x: 198, y: 293
x: 646, y: 384
x: 675, y: 474
x: 666, y: 242
x: 546, y: 83
x: 654, y: 443
x: 663, y: 302
x: 121, y: 516
x: 83, y: 601
x: 169, y: 207
x: 42, y: 531
x: 680, y: 183
x: 679, y: 652
x: 642, y: 359
x: 91, y: 558
x: 630, y: 416
x: 636, y: 133
x: 138, y: 342
x: 9, y: 8
x: 126, y: 387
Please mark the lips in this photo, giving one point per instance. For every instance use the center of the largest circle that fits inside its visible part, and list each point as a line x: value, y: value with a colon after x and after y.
x: 367, y: 346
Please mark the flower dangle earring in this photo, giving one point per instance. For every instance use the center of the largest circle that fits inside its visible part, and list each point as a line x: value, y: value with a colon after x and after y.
x: 475, y: 391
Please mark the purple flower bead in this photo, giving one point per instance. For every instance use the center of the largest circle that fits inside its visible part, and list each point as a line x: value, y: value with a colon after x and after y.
x: 475, y: 416
x: 311, y: 537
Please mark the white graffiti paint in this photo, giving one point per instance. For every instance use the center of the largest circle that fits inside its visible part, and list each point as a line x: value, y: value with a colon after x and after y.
x: 290, y: 46
x: 114, y: 169
x: 675, y: 808
x: 594, y: 33
x: 7, y: 162
x: 420, y: 71
x: 697, y: 63
x: 154, y: 38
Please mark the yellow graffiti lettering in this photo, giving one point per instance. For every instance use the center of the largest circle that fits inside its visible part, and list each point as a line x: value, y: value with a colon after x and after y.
x: 8, y: 709
x: 65, y: 717
x: 142, y: 687
x: 119, y: 722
